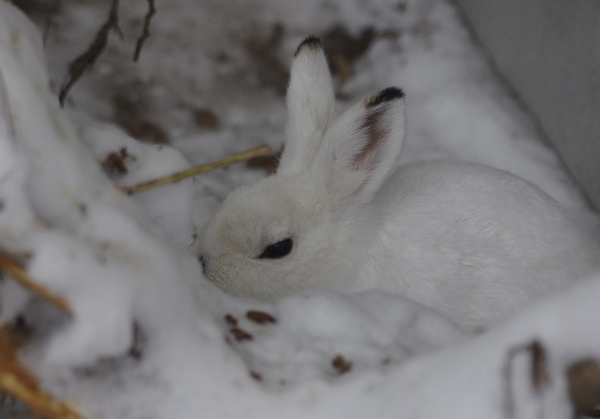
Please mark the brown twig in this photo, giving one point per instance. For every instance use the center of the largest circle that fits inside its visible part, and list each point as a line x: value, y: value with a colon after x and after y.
x: 145, y: 30
x: 18, y: 382
x: 176, y: 177
x: 10, y: 265
x: 89, y: 57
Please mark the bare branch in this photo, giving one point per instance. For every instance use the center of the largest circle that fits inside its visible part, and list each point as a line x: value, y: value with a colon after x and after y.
x: 145, y: 30
x: 89, y: 57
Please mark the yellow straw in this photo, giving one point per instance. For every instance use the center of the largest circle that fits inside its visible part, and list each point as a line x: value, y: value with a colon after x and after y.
x: 176, y: 177
x: 11, y: 266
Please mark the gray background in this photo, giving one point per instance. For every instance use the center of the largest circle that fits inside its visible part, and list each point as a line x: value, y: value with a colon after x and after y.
x: 549, y: 51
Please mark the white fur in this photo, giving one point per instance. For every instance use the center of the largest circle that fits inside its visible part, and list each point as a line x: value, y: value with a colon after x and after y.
x: 470, y: 241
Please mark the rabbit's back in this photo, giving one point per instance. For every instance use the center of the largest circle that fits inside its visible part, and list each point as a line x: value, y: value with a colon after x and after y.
x: 470, y: 239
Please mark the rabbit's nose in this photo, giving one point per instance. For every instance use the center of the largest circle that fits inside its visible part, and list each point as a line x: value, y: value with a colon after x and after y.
x: 202, y: 260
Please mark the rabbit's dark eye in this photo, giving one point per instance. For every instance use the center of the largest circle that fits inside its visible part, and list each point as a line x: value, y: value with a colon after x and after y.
x: 277, y: 250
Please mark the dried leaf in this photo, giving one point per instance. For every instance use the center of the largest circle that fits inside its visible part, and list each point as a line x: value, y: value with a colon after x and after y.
x: 341, y: 364
x: 260, y: 317
x: 231, y: 320
x: 240, y: 334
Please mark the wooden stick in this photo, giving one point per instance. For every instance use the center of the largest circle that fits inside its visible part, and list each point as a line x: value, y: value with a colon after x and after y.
x: 11, y: 266
x: 176, y: 177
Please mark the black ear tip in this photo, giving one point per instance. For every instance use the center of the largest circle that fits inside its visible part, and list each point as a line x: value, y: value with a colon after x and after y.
x: 386, y: 95
x: 310, y: 41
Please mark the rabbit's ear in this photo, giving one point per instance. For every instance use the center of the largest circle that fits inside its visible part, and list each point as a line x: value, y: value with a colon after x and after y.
x: 310, y: 102
x: 362, y: 148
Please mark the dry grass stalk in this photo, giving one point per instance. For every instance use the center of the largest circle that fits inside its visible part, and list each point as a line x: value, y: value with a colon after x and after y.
x: 10, y: 265
x: 176, y: 177
x: 18, y: 382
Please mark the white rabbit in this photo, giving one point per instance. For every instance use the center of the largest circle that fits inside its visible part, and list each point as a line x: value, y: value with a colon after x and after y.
x: 470, y: 241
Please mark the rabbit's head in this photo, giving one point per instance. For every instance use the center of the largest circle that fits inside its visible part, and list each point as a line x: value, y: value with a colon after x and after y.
x: 302, y: 227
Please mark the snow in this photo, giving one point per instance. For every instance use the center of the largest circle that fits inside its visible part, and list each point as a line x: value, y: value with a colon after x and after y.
x: 149, y: 336
x: 149, y: 161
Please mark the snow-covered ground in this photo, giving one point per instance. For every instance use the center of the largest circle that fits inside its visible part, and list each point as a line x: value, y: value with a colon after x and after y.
x: 151, y: 338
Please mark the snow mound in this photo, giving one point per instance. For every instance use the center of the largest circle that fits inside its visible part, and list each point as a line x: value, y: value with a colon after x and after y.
x: 150, y: 338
